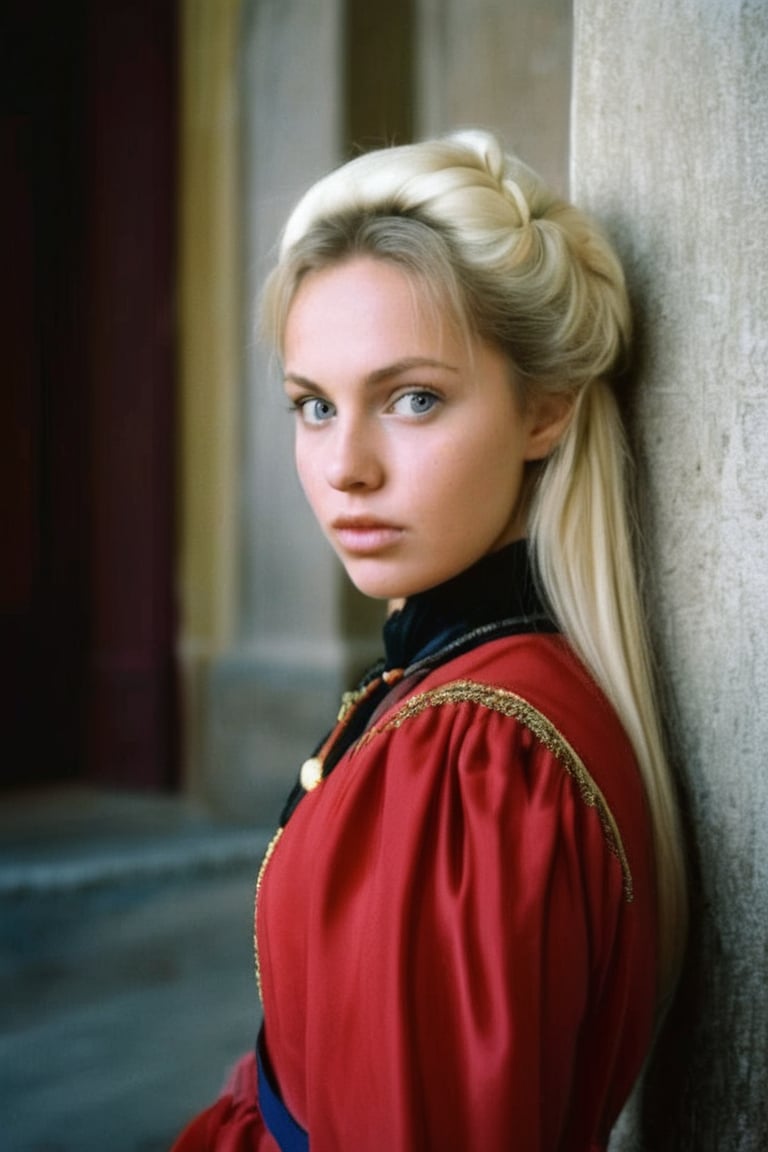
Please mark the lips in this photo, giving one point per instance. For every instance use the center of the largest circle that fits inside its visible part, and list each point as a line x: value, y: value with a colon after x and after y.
x: 364, y: 535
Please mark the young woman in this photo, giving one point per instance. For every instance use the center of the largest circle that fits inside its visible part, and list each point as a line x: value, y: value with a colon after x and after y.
x: 474, y: 906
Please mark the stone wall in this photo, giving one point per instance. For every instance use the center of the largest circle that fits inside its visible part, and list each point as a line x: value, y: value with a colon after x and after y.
x: 670, y: 149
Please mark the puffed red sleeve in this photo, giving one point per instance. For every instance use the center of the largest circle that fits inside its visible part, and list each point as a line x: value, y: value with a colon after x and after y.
x: 233, y: 1123
x: 477, y: 972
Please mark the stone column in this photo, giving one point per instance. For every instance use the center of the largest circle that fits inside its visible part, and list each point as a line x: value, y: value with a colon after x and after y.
x: 670, y: 149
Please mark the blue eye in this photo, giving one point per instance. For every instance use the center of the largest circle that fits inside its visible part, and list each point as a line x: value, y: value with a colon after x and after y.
x: 313, y: 410
x: 417, y: 403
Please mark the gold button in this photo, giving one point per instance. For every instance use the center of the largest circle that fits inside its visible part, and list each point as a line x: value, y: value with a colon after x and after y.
x: 311, y: 773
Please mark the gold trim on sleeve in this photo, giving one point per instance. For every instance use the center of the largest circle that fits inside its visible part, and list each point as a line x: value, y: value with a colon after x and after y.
x: 509, y: 704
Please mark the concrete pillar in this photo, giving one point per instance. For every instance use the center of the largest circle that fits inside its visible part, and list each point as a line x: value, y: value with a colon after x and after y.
x: 499, y: 65
x: 670, y: 150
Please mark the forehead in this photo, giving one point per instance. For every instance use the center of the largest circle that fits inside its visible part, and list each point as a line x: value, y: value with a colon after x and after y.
x: 364, y: 293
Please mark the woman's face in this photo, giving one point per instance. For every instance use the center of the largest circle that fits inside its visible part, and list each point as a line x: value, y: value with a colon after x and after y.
x: 410, y: 445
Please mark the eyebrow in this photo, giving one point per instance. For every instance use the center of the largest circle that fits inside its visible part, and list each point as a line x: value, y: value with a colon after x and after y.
x: 379, y: 374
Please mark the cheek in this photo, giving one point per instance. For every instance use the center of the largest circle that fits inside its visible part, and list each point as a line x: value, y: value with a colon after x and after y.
x: 485, y: 465
x: 452, y: 489
x: 483, y: 482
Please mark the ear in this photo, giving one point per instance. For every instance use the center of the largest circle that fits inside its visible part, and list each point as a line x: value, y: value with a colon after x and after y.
x: 549, y: 417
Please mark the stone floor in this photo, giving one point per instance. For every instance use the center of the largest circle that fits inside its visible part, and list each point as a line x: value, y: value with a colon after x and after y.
x: 126, y: 968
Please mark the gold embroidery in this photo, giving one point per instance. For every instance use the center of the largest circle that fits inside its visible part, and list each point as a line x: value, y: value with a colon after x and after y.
x: 350, y: 700
x: 509, y: 704
x: 267, y: 857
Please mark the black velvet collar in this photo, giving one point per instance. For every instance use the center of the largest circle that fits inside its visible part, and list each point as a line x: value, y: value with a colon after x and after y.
x: 498, y: 590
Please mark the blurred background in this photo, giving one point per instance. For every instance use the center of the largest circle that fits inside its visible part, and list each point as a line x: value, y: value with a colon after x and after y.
x: 174, y: 631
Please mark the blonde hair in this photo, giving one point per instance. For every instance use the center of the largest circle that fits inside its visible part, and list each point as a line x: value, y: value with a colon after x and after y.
x: 534, y: 276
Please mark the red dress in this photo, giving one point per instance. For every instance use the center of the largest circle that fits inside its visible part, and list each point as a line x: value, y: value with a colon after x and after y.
x: 456, y: 928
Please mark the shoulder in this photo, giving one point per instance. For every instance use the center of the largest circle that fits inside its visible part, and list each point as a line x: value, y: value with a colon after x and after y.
x: 535, y: 680
x: 526, y: 704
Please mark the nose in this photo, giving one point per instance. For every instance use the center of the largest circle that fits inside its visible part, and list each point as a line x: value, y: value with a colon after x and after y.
x: 354, y: 460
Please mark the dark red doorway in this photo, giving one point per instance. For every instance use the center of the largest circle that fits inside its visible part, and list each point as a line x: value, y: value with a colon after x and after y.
x: 87, y: 211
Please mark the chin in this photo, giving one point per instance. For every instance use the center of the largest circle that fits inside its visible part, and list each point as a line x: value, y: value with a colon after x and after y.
x: 377, y: 589
x: 374, y: 581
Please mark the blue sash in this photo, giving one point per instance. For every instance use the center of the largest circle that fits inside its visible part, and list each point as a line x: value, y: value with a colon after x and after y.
x: 288, y: 1134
